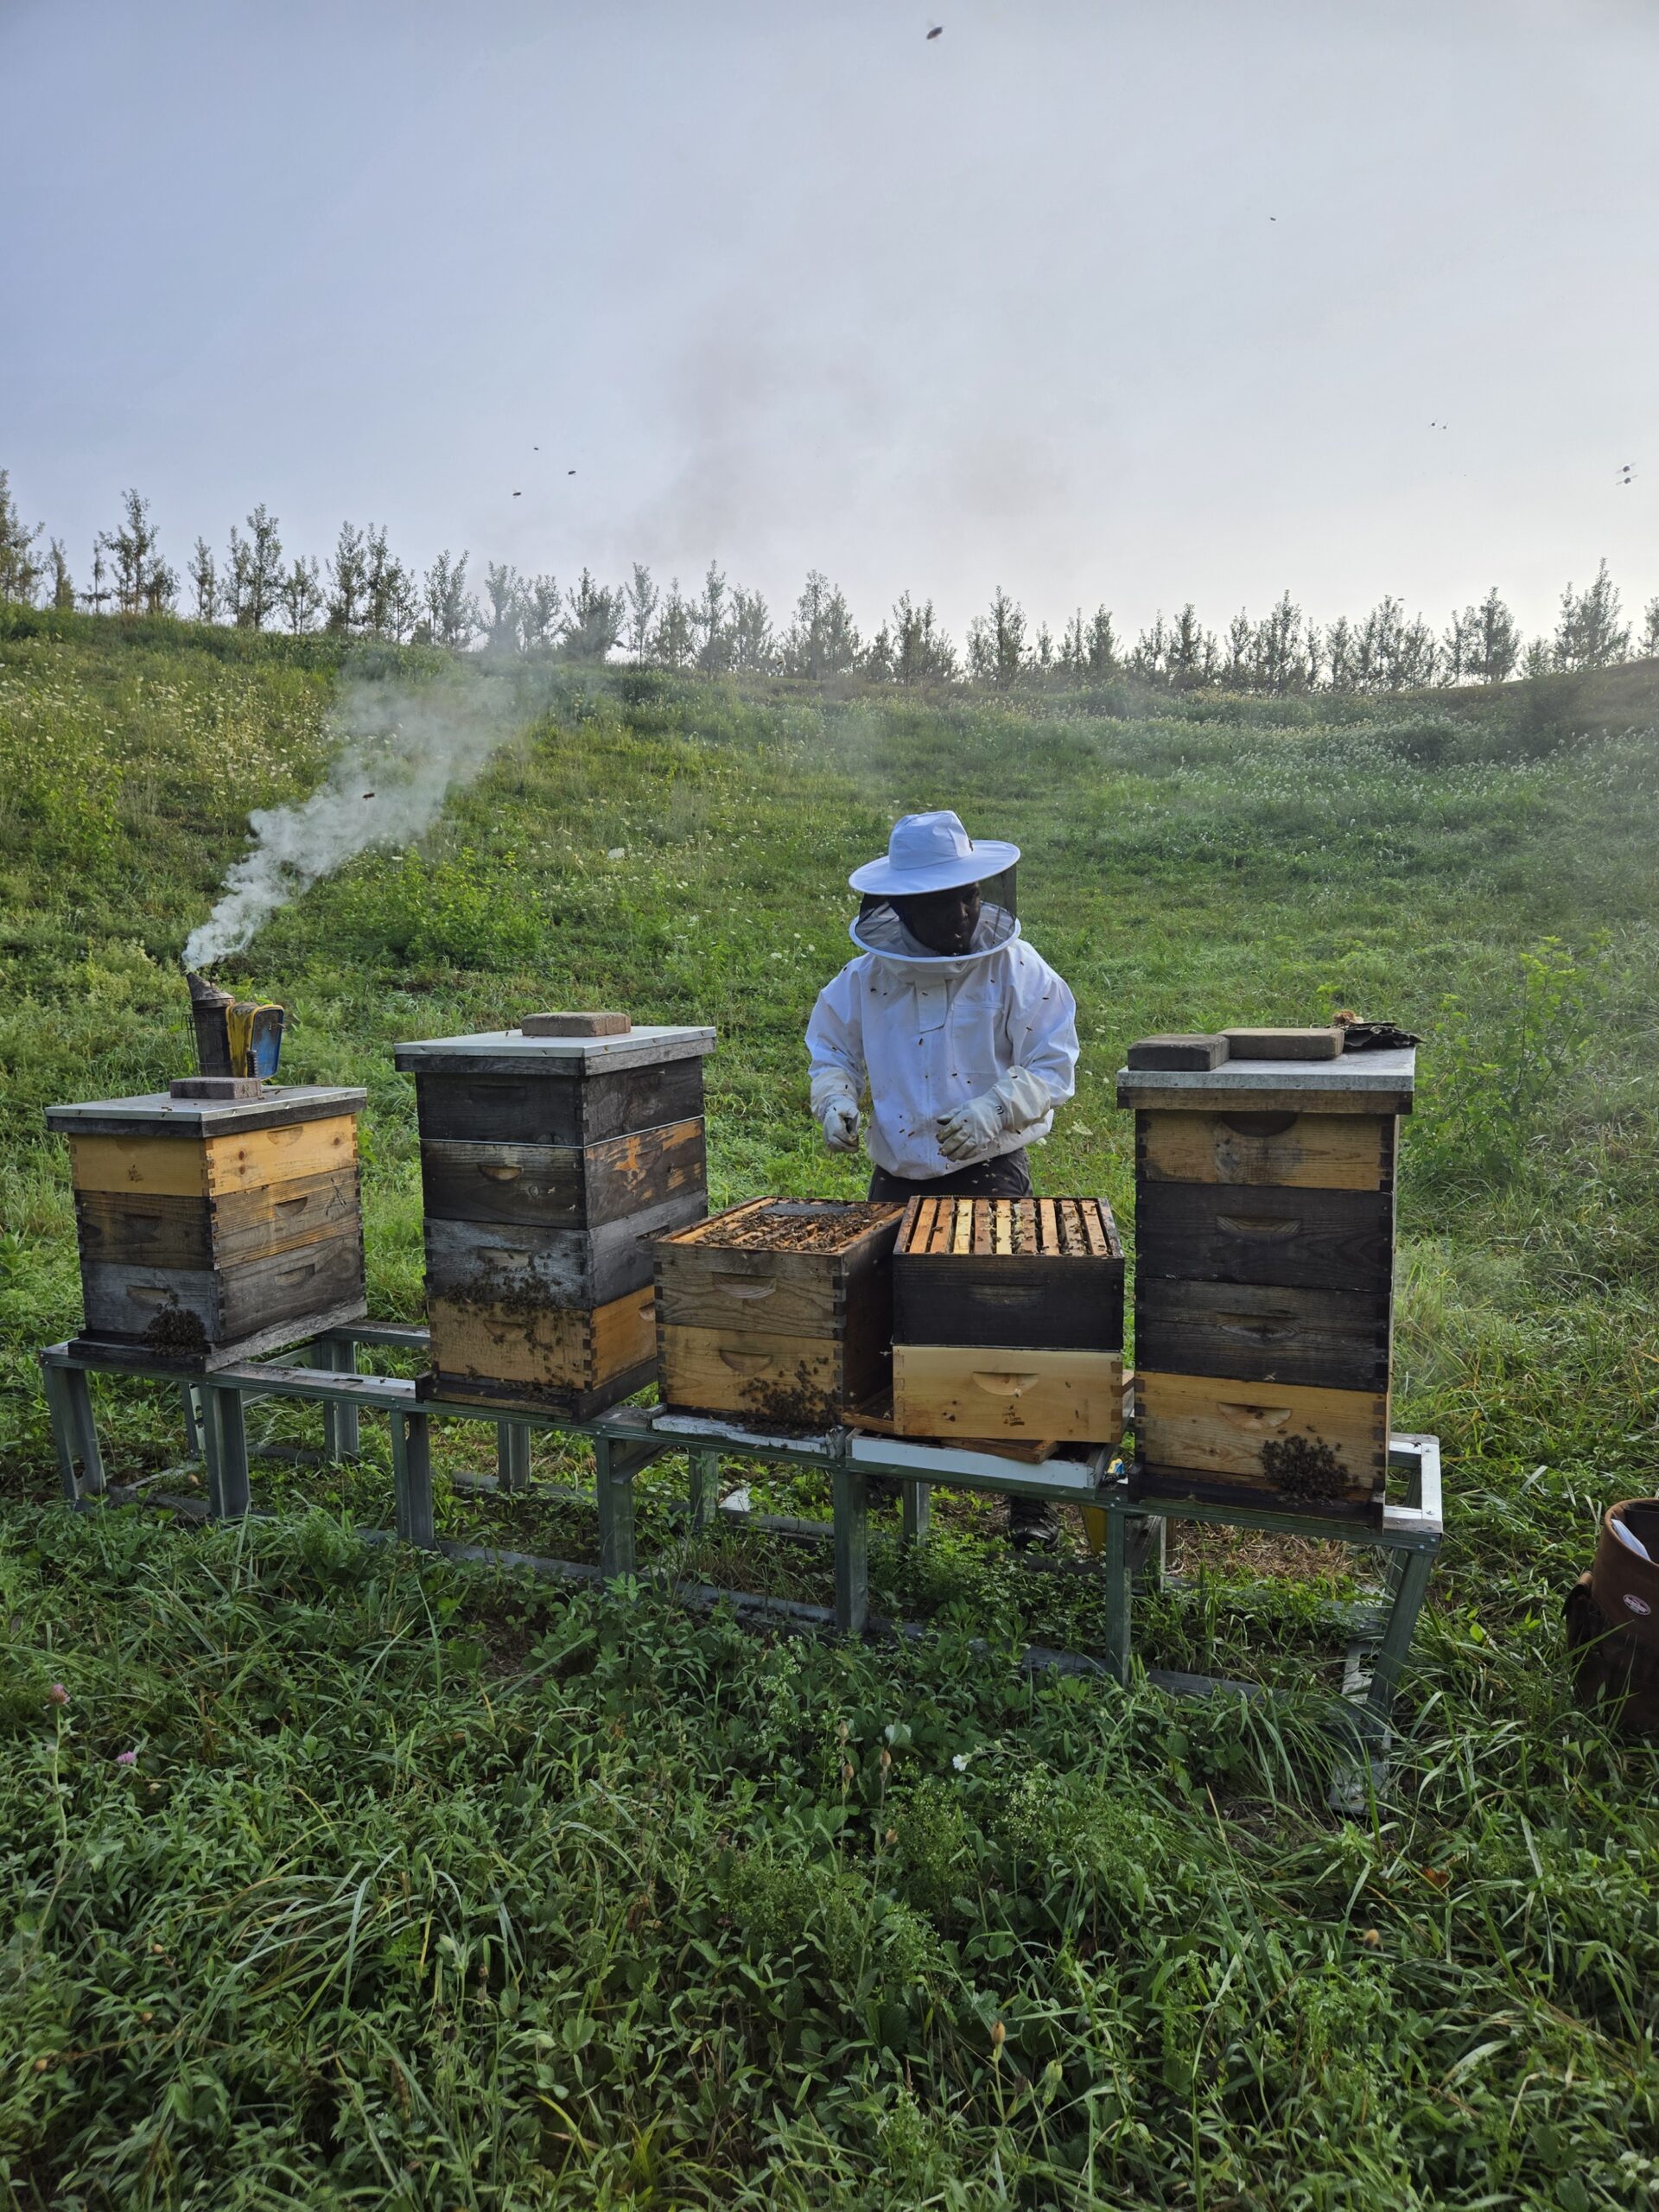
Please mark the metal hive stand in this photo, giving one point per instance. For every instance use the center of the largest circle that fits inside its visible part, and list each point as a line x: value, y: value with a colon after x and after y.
x: 629, y: 1438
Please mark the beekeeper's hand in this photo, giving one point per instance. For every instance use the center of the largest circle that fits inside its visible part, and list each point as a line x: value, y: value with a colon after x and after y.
x: 836, y: 1104
x: 969, y: 1132
x: 841, y: 1125
x: 1015, y: 1102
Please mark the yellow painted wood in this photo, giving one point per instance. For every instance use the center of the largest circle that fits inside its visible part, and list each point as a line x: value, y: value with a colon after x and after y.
x: 1326, y: 1152
x: 1065, y: 1397
x: 161, y: 1167
x: 563, y: 1348
x: 1214, y: 1426
x: 249, y: 1162
x: 189, y: 1167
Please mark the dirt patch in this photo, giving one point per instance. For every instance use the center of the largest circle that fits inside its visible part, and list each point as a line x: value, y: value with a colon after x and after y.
x: 1257, y: 1554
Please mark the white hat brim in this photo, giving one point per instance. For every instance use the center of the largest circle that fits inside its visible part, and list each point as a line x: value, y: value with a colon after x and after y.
x: 989, y: 856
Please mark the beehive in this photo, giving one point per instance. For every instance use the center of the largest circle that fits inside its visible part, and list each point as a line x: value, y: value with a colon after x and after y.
x: 212, y: 1230
x: 779, y: 1311
x: 1009, y: 1321
x: 1264, y: 1262
x: 547, y: 1164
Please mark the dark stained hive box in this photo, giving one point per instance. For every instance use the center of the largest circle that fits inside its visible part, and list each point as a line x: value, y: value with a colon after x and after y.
x: 1009, y: 1321
x: 778, y: 1311
x: 211, y: 1230
x: 1264, y: 1264
x: 548, y: 1163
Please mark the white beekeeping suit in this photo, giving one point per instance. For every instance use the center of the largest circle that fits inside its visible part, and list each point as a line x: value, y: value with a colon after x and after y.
x: 966, y: 1054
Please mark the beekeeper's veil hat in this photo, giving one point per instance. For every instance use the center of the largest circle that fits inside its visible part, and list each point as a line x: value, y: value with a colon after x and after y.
x: 931, y: 851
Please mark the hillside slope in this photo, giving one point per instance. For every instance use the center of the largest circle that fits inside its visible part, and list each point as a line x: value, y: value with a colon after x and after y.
x: 589, y: 1887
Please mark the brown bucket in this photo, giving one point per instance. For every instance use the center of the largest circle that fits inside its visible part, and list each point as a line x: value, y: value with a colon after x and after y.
x: 1626, y: 1588
x: 1610, y: 1668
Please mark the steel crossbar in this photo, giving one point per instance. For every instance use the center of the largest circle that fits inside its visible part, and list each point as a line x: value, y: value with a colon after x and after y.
x: 324, y: 1371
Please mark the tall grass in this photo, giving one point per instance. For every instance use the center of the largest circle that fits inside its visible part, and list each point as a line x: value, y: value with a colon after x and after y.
x: 343, y: 1878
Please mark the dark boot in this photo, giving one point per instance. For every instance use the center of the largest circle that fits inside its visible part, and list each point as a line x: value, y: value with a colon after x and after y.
x: 1033, y: 1525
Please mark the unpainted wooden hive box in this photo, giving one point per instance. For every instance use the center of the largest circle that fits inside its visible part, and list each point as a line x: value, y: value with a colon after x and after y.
x: 1009, y: 1321
x: 547, y: 1165
x: 779, y: 1310
x: 1263, y: 1280
x: 211, y: 1230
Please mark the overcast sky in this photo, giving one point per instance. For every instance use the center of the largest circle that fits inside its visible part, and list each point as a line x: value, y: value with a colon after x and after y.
x: 1115, y: 302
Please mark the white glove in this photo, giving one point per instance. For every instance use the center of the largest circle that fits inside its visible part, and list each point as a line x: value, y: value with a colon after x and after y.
x: 841, y: 1125
x: 836, y: 1104
x: 1014, y: 1102
x: 969, y: 1132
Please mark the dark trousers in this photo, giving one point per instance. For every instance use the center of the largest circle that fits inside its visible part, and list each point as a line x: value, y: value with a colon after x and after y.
x: 1007, y: 1176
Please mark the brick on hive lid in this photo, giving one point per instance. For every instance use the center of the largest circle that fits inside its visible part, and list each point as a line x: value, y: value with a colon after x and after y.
x: 1174, y: 1053
x: 216, y: 1086
x: 577, y: 1025
x: 1324, y: 1044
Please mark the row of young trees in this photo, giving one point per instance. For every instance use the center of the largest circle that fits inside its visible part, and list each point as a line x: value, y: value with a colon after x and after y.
x: 363, y: 590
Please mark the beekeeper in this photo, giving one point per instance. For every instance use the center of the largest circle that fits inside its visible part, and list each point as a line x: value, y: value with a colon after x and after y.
x: 967, y: 1038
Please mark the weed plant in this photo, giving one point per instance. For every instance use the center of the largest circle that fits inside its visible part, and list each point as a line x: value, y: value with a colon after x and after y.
x: 333, y: 1875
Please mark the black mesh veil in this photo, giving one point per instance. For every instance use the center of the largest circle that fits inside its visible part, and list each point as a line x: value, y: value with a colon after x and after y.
x: 998, y: 909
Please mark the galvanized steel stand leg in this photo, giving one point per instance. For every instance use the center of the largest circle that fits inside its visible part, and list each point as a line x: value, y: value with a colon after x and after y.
x: 341, y: 1436
x: 411, y: 1475
x: 1145, y: 1547
x: 65, y: 1428
x: 226, y: 1437
x: 917, y: 1504
x: 615, y: 1464
x: 852, y: 1550
x: 1115, y: 1585
x: 84, y: 1429
x: 190, y: 1401
x: 1401, y: 1625
x: 703, y: 1486
x: 512, y: 1455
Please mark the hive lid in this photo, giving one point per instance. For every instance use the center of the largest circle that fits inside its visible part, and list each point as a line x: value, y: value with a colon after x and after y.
x: 1358, y: 1082
x: 156, y: 1114
x: 509, y: 1051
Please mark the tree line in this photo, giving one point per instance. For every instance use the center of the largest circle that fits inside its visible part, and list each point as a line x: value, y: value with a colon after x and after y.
x: 364, y: 590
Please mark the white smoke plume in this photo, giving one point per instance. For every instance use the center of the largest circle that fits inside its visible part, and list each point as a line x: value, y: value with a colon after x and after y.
x: 403, y: 749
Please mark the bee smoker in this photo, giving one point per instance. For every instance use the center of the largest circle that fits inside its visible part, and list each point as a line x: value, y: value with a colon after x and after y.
x: 240, y: 1037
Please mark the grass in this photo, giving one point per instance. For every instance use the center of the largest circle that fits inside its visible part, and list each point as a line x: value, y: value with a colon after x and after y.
x: 433, y: 1885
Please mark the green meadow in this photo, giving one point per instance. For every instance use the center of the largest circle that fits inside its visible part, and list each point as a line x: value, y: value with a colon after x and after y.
x: 433, y: 1885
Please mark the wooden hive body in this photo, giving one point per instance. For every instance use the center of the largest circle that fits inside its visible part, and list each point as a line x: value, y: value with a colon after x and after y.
x: 547, y: 1164
x: 213, y: 1231
x: 1264, y: 1264
x: 778, y: 1311
x: 1009, y: 1321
